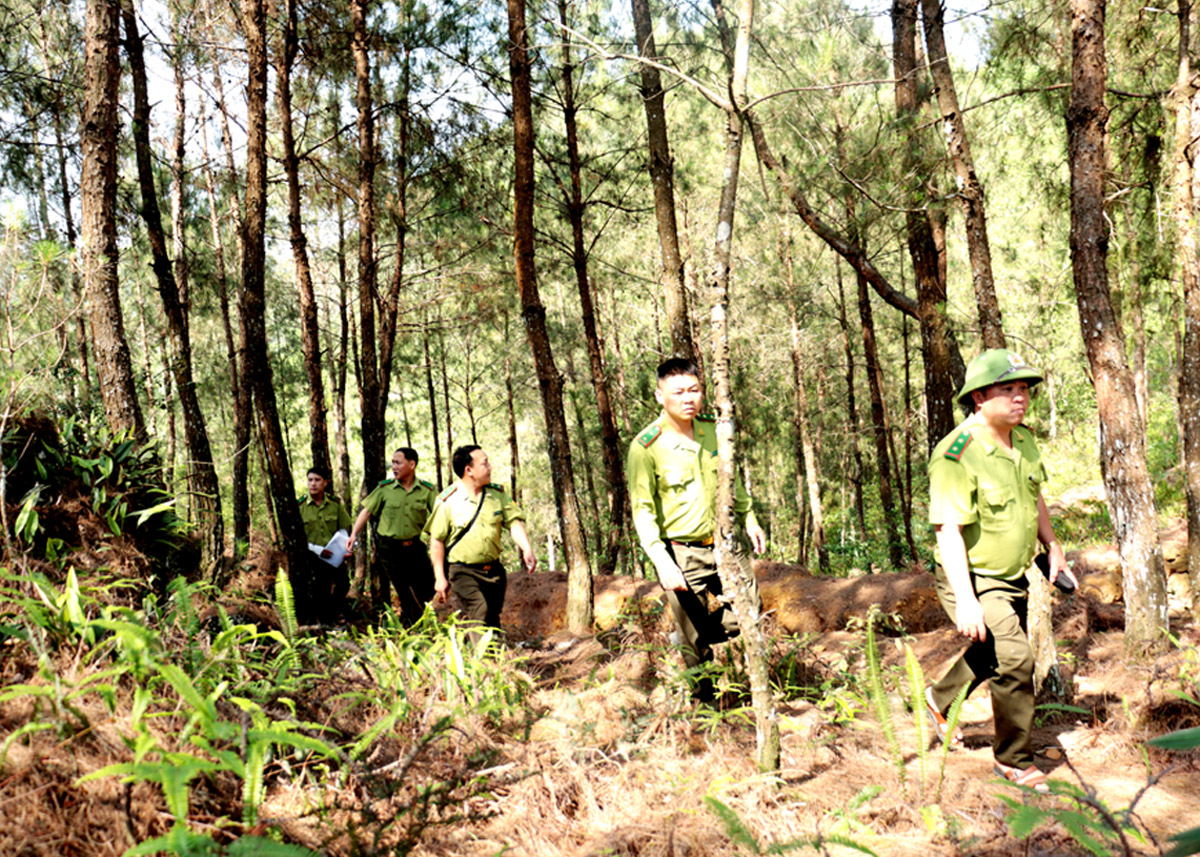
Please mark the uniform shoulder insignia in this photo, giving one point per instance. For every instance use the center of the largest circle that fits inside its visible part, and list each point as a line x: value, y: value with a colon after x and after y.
x: 426, y: 483
x: 956, y: 449
x: 384, y: 482
x: 649, y: 436
x: 446, y: 493
x: 707, y: 418
x: 495, y: 487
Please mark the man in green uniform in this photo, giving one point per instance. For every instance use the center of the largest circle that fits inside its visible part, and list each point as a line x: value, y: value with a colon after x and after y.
x: 464, y: 537
x: 323, y: 515
x: 402, y: 504
x: 986, y: 507
x: 672, y: 475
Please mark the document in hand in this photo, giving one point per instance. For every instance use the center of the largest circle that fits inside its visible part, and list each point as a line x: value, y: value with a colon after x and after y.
x: 336, y: 548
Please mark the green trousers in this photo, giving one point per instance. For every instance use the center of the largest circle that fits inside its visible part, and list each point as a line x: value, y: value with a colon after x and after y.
x: 699, y: 629
x: 1004, y: 660
x: 480, y: 588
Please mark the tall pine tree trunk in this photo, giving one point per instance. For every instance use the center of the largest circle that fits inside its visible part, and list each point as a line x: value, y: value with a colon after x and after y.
x: 1187, y: 124
x: 579, y: 575
x: 257, y: 371
x: 662, y: 177
x: 733, y: 581
x: 1122, y: 434
x: 310, y: 331
x: 610, y: 440
x: 202, y: 474
x: 970, y: 189
x: 98, y: 230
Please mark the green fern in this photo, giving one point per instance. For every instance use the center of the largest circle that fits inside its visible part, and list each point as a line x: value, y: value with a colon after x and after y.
x: 880, y: 705
x: 285, y: 606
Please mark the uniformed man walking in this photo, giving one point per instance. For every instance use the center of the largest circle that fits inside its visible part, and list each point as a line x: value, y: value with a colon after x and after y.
x: 464, y: 537
x: 402, y: 504
x: 672, y: 475
x: 323, y: 514
x: 986, y: 507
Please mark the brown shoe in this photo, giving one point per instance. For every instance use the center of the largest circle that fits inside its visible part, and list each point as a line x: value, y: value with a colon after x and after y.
x: 1030, y: 778
x: 940, y: 725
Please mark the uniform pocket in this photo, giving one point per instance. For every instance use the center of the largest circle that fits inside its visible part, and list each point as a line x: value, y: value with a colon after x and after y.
x: 676, y: 480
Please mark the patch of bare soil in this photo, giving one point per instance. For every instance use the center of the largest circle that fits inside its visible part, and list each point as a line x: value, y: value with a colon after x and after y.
x: 617, y: 760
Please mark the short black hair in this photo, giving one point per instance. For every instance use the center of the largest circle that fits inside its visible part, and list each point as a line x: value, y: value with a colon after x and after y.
x: 409, y: 454
x: 320, y: 471
x: 462, y: 458
x: 673, y: 366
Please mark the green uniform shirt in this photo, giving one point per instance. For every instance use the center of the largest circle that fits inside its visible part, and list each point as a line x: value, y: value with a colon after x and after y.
x: 453, y: 511
x: 991, y: 493
x: 673, y: 486
x: 402, y: 513
x: 321, y: 522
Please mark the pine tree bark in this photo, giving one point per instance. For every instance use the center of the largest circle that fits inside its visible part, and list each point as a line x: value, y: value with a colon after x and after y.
x: 310, y: 331
x: 202, y: 474
x: 1186, y: 100
x: 257, y: 370
x: 970, y: 189
x: 433, y: 406
x: 733, y: 581
x: 98, y: 229
x: 1122, y: 434
x: 579, y: 576
x: 853, y: 425
x: 662, y: 177
x: 370, y: 385
x: 943, y: 364
x: 610, y: 439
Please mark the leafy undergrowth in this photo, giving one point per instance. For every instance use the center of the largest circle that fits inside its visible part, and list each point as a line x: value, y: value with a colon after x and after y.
x: 163, y: 725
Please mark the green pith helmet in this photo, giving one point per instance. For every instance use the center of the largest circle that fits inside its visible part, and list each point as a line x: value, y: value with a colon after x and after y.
x: 992, y: 367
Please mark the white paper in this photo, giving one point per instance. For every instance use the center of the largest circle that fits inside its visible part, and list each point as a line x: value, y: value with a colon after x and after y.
x: 336, y: 547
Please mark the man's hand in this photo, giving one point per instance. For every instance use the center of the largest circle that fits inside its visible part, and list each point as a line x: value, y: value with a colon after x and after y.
x: 758, y: 539
x: 350, y: 542
x: 530, y: 561
x: 1058, y: 564
x: 670, y: 577
x: 968, y: 613
x: 441, y: 590
x: 326, y: 553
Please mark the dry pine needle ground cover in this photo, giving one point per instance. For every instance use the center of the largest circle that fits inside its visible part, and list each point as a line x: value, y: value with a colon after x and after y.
x: 603, y: 753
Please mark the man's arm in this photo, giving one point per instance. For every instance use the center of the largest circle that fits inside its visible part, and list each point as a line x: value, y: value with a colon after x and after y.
x: 639, y: 472
x: 743, y: 510
x: 968, y: 612
x: 521, y: 536
x: 1058, y: 560
x: 359, y: 523
x: 437, y: 558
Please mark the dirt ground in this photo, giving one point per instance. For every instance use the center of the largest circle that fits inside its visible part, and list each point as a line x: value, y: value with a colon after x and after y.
x: 619, y: 761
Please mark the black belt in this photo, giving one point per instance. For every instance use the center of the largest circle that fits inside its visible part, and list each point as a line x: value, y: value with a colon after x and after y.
x: 404, y: 543
x: 703, y: 543
x: 479, y: 566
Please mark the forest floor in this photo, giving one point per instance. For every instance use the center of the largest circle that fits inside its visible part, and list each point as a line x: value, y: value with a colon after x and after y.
x: 611, y: 757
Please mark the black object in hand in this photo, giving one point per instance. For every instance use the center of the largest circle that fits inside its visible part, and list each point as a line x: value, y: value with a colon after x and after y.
x: 1062, y: 582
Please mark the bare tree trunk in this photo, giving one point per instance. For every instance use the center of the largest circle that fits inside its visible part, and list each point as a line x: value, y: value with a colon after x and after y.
x: 98, y: 238
x: 514, y: 453
x: 433, y: 408
x: 441, y: 334
x: 202, y: 474
x: 733, y: 581
x: 339, y: 368
x: 370, y: 385
x: 579, y: 575
x: 943, y: 364
x: 662, y: 177
x: 257, y: 370
x: 879, y: 422
x: 970, y: 189
x: 800, y: 445
x: 852, y: 422
x: 1122, y: 434
x: 390, y: 307
x: 310, y: 331
x: 1187, y: 125
x: 610, y: 441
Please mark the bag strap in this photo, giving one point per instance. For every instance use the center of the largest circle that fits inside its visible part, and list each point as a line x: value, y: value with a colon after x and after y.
x: 459, y: 537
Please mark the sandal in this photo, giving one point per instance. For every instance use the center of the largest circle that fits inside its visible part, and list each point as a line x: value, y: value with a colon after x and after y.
x: 940, y: 725
x: 1030, y: 778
